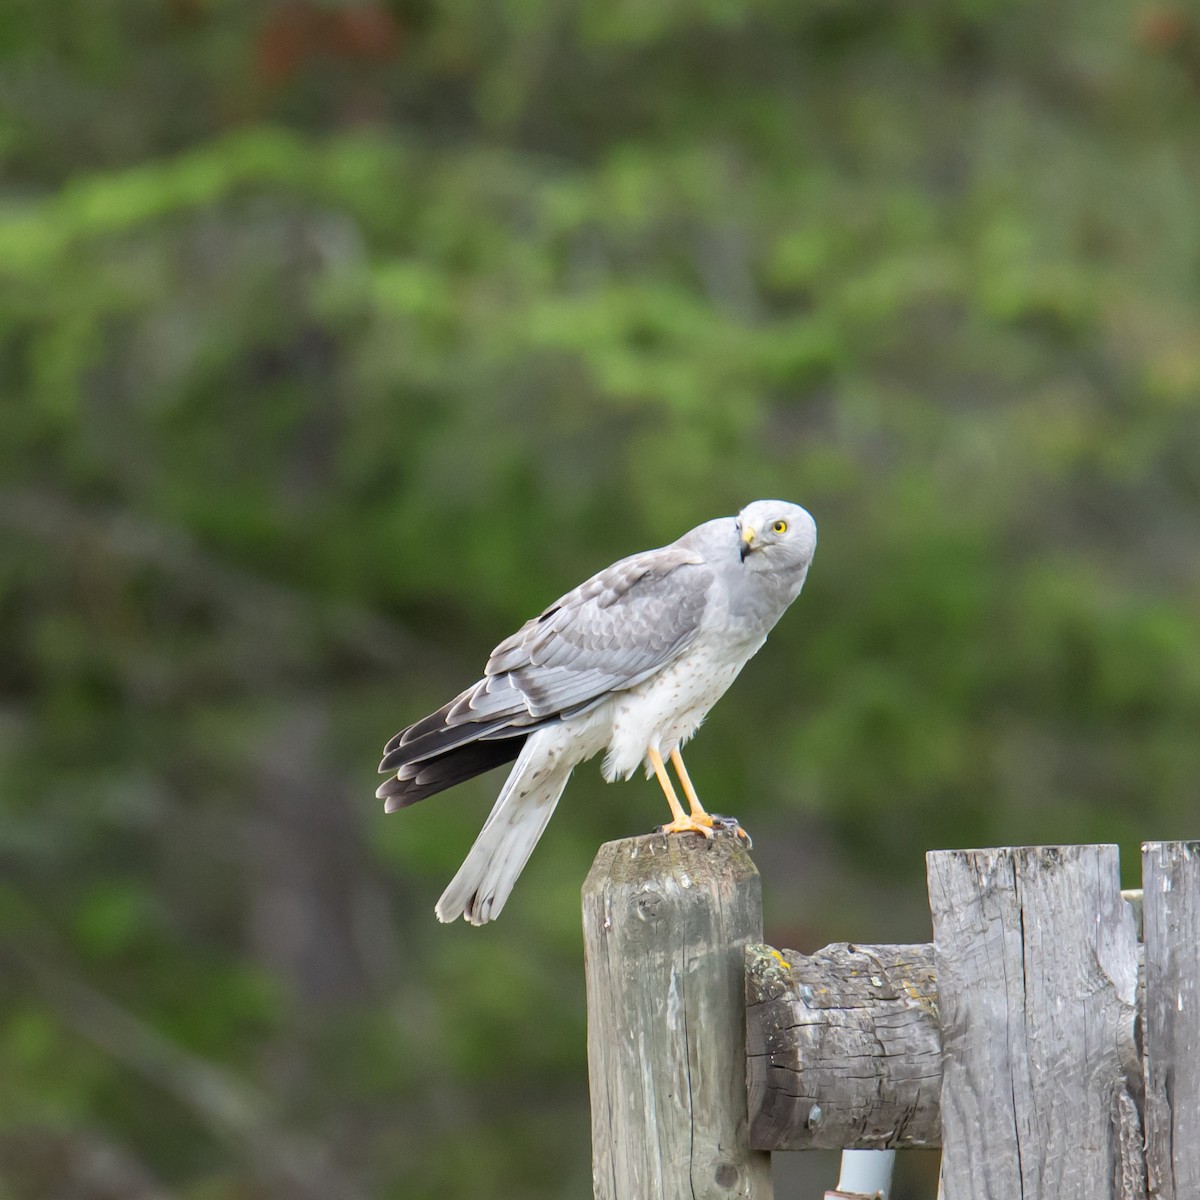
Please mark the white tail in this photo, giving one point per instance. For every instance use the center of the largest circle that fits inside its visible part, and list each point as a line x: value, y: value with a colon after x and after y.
x: 517, y: 820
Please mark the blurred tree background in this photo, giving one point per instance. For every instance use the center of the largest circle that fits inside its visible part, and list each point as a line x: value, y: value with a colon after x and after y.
x: 337, y: 338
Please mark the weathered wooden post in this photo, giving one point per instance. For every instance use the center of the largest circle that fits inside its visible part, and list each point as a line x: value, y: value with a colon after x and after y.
x: 665, y: 924
x: 1171, y: 914
x: 1036, y: 961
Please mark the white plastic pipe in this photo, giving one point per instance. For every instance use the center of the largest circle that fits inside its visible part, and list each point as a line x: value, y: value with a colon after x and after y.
x: 866, y: 1174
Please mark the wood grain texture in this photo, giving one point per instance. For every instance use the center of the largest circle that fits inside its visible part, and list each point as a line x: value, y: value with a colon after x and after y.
x: 1129, y: 1180
x: 665, y: 922
x: 1037, y: 974
x: 1171, y: 1034
x: 843, y: 1048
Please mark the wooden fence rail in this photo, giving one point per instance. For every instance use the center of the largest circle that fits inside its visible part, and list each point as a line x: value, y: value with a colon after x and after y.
x: 843, y: 1048
x: 1049, y: 1054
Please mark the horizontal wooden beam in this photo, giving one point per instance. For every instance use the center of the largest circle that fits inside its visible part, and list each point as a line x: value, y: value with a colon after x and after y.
x: 843, y: 1048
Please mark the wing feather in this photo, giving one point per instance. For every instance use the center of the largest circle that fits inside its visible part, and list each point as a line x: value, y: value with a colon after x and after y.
x: 611, y: 633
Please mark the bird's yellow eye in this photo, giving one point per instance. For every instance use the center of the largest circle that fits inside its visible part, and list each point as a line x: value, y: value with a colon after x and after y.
x: 779, y: 527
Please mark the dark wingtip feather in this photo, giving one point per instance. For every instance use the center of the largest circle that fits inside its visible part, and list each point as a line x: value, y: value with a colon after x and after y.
x: 439, y: 742
x: 390, y: 787
x: 393, y: 757
x: 434, y: 723
x: 417, y: 780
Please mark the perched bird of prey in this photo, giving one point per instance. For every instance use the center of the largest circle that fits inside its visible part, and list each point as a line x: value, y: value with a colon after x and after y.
x: 629, y: 663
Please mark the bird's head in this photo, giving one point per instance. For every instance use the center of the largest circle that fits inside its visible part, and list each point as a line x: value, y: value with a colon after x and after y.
x: 774, y: 535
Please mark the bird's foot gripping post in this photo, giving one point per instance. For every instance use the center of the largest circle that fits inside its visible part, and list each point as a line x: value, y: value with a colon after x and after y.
x: 715, y: 823
x: 698, y: 820
x: 665, y: 922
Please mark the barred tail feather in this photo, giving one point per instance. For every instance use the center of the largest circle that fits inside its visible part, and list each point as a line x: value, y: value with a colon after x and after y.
x: 519, y: 817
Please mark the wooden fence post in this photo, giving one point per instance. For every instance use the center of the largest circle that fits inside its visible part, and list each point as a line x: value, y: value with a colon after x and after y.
x: 1036, y: 961
x: 665, y: 924
x: 1171, y: 924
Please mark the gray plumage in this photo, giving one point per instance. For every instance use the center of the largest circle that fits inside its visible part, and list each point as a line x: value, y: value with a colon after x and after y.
x: 629, y: 663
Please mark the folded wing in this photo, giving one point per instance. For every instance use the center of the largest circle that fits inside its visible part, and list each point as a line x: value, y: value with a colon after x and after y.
x: 611, y: 633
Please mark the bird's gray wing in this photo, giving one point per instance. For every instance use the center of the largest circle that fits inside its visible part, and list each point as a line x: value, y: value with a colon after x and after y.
x: 609, y: 634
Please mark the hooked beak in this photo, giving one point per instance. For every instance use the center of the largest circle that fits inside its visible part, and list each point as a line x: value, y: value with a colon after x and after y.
x: 748, y: 536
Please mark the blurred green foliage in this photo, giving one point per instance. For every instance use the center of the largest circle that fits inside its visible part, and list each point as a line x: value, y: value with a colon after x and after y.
x: 337, y: 338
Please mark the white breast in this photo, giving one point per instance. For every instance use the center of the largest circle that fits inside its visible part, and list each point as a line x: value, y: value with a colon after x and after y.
x: 665, y: 711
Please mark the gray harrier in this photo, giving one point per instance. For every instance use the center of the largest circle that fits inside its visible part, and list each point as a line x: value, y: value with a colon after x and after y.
x: 629, y: 663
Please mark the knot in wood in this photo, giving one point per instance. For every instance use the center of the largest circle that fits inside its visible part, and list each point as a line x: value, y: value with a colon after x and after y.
x: 650, y: 905
x: 727, y: 1175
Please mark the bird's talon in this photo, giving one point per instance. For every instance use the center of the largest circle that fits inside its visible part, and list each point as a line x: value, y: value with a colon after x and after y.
x: 689, y: 825
x: 732, y: 825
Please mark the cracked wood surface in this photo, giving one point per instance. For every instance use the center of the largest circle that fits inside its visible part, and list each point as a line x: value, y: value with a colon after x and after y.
x: 1036, y: 964
x: 1171, y: 916
x: 665, y: 924
x: 843, y: 1048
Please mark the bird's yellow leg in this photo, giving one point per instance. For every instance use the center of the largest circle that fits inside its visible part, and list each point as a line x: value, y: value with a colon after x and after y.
x: 689, y: 791
x: 682, y: 822
x: 699, y: 816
